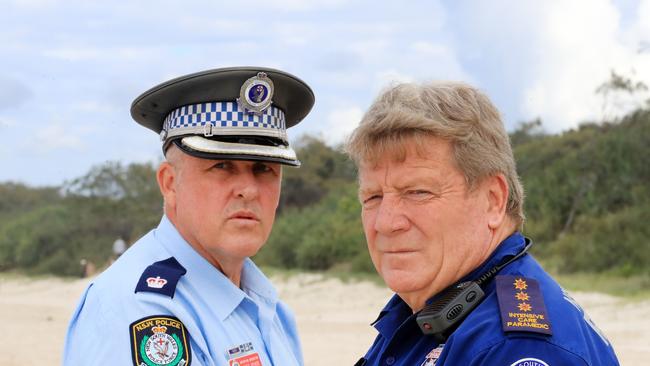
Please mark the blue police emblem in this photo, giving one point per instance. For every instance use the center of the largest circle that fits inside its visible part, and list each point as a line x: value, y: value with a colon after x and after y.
x: 529, y: 362
x: 160, y: 340
x: 256, y: 93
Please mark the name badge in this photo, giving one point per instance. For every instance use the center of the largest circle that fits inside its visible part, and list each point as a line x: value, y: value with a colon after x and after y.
x: 243, y: 355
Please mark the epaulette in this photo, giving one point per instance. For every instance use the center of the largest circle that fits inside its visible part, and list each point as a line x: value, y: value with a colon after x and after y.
x: 522, y: 305
x: 161, y: 277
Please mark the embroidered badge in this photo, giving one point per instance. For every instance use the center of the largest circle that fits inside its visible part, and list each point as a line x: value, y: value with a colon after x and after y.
x: 522, y: 305
x: 160, y: 341
x: 243, y: 355
x: 161, y: 277
x: 529, y: 362
x: 256, y: 93
x: 433, y: 356
x: 156, y: 282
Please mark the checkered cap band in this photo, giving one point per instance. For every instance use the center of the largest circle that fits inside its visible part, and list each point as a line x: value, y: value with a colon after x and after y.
x: 223, y: 119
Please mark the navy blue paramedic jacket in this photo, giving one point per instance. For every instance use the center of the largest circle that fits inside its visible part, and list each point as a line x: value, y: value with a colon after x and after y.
x: 537, y: 324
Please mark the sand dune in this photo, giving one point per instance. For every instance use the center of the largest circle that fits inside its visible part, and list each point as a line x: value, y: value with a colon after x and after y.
x: 332, y: 316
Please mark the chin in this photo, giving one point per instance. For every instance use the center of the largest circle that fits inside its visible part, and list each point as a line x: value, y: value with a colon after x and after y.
x: 402, y: 281
x: 247, y: 249
x: 235, y: 247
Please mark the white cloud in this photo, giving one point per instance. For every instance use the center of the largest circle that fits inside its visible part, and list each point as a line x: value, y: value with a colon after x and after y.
x: 13, y: 93
x: 85, y: 53
x: 72, y: 53
x: 390, y: 76
x: 438, y: 59
x: 579, y: 53
x: 55, y: 137
x: 7, y: 122
x: 427, y: 61
x: 546, y: 59
x: 340, y: 123
x: 33, y: 4
x: 294, y: 5
x: 83, y: 62
x: 93, y: 107
x: 643, y: 21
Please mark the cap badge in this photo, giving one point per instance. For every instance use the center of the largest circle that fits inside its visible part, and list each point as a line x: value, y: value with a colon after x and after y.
x: 256, y: 93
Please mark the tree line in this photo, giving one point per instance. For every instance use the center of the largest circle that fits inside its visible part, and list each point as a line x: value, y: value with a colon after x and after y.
x: 587, y: 206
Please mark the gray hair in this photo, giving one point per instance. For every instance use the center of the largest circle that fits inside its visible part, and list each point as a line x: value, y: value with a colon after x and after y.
x: 452, y: 111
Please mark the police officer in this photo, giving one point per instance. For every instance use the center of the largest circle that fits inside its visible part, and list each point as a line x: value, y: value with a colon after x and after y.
x: 187, y: 293
x: 441, y: 208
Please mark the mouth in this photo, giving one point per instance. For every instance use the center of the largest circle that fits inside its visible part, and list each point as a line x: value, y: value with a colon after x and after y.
x: 244, y: 215
x: 399, y: 251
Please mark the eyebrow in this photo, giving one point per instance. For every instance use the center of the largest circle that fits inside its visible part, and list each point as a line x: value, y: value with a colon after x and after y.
x: 404, y: 183
x: 418, y: 181
x: 366, y: 191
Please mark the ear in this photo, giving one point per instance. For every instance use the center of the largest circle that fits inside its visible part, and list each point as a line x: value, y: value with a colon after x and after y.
x: 166, y: 176
x: 497, y: 198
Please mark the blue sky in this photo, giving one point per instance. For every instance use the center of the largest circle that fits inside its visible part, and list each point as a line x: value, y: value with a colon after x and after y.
x: 70, y: 69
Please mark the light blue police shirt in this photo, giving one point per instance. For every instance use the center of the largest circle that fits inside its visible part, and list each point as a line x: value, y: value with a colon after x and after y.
x: 217, y: 315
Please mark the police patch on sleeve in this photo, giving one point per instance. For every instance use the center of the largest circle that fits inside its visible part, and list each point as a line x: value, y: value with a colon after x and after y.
x: 160, y: 340
x: 529, y: 362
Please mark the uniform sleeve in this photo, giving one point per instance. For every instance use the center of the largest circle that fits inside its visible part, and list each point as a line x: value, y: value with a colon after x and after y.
x: 91, y: 339
x: 288, y: 321
x: 527, y: 352
x: 97, y: 336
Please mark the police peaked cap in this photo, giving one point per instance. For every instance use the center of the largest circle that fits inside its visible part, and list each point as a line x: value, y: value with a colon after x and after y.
x: 237, y: 113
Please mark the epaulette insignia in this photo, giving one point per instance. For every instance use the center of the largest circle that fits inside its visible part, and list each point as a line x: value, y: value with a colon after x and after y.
x: 160, y: 340
x: 522, y: 305
x: 161, y: 277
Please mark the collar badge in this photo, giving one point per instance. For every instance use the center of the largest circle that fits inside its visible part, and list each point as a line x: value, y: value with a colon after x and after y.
x: 156, y: 282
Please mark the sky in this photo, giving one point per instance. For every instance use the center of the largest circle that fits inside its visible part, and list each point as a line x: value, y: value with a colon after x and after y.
x: 69, y: 69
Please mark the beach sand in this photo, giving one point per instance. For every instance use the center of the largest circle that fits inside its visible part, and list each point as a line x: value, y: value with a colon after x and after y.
x: 333, y: 319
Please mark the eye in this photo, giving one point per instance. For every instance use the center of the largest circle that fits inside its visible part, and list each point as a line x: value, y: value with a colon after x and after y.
x: 419, y: 194
x: 260, y: 168
x: 370, y: 200
x: 418, y: 191
x: 224, y: 164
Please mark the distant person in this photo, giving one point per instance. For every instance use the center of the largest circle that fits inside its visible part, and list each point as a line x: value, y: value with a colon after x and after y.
x: 119, y: 247
x: 187, y: 293
x: 442, y: 207
x: 87, y: 268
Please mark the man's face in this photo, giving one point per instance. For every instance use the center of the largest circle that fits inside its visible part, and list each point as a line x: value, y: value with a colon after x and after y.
x: 424, y: 229
x: 224, y: 208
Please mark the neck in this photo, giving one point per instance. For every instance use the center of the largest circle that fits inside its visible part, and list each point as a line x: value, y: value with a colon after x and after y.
x: 230, y: 267
x: 231, y: 270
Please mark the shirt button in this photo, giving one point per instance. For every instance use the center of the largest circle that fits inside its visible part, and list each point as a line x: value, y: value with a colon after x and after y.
x: 390, y: 360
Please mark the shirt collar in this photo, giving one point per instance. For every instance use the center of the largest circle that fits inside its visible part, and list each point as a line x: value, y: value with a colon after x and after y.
x: 397, y: 311
x: 203, y: 277
x: 392, y: 316
x: 253, y: 280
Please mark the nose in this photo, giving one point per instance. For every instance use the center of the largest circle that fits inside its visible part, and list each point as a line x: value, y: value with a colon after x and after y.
x: 246, y: 186
x: 390, y: 218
